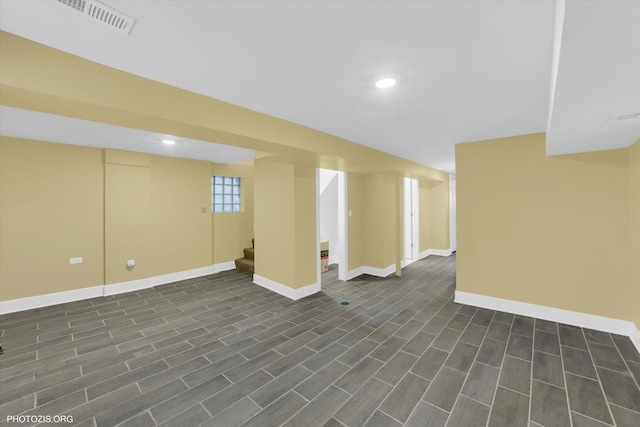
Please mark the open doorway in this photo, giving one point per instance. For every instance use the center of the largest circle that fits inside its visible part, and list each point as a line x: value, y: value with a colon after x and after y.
x: 331, y: 225
x: 410, y: 221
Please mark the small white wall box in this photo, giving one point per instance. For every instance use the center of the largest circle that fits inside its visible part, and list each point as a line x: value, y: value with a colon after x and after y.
x: 324, y: 256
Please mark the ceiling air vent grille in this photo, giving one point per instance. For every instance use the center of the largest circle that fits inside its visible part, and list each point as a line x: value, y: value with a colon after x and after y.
x: 105, y: 14
x: 76, y: 4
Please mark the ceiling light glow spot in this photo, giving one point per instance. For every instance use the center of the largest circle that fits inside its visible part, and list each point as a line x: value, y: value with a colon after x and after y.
x: 168, y: 141
x: 385, y: 83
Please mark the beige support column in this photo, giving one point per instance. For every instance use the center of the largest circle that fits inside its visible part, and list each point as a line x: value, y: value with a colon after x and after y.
x: 379, y: 232
x: 285, y: 228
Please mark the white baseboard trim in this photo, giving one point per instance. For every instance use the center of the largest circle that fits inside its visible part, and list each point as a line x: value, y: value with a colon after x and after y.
x: 635, y: 336
x: 334, y: 260
x: 438, y: 252
x: 575, y: 318
x: 38, y: 301
x: 224, y: 266
x: 354, y: 273
x: 279, y: 288
x: 424, y: 254
x: 130, y: 286
x: 373, y: 271
x: 405, y: 262
x: 149, y: 282
x: 379, y: 272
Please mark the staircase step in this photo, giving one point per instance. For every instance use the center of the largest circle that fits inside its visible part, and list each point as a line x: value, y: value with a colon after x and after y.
x: 244, y: 264
x: 249, y: 253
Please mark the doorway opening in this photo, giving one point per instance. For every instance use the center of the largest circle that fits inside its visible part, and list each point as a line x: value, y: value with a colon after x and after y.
x: 331, y: 225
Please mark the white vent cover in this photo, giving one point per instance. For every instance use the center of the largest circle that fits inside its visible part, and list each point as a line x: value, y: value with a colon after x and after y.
x: 100, y: 12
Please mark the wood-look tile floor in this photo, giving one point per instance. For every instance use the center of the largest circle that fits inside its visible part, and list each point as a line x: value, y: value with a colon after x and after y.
x: 221, y: 351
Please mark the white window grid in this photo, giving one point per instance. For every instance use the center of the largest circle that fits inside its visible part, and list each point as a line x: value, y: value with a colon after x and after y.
x: 225, y: 194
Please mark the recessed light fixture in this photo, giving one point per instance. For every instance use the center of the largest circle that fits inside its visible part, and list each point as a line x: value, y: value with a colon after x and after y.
x: 168, y: 141
x: 385, y: 83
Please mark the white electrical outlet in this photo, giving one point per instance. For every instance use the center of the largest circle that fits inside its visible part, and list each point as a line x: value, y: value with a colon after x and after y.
x: 76, y: 260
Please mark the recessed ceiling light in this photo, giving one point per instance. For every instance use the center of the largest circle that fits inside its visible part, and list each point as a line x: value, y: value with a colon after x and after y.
x: 385, y: 83
x: 168, y: 141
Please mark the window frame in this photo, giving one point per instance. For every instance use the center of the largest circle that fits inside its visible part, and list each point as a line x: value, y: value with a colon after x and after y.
x: 226, y: 194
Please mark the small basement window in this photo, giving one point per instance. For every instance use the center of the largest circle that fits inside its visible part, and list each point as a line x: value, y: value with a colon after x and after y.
x: 225, y: 194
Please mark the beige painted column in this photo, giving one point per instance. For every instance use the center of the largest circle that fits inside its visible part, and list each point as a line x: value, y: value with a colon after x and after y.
x: 380, y: 203
x: 399, y: 222
x: 285, y: 228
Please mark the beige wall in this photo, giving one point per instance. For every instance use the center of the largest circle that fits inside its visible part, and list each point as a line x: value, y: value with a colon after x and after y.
x: 180, y: 214
x: 355, y: 224
x: 285, y: 223
x: 434, y: 227
x: 157, y: 211
x: 51, y: 209
x: 233, y: 231
x: 60, y: 201
x: 634, y: 226
x: 305, y: 217
x: 127, y: 222
x: 373, y: 227
x: 552, y: 231
x: 380, y: 215
x: 424, y: 226
x: 274, y: 221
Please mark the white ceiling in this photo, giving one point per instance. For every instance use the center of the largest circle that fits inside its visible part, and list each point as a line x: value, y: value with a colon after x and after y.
x: 467, y: 70
x: 598, y: 78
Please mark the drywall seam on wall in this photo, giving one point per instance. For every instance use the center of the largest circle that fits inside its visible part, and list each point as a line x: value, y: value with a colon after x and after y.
x: 279, y: 288
x: 583, y: 320
x: 29, y: 303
